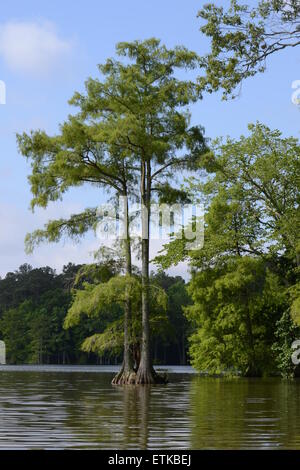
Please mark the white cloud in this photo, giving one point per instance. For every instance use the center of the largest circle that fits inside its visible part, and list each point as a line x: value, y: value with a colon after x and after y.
x: 32, y: 47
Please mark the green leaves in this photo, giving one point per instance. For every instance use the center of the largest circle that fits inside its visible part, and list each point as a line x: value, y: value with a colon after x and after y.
x: 243, y: 37
x: 110, y: 341
x: 244, y: 279
x: 235, y: 310
x: 135, y: 113
x: 252, y: 193
x: 74, y: 227
x: 100, y: 300
x: 131, y: 134
x: 295, y: 305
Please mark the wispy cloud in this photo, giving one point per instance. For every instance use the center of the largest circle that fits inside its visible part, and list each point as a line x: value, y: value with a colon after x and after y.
x: 32, y: 47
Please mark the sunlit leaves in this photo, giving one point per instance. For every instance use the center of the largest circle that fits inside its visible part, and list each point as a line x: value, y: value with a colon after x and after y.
x: 243, y: 37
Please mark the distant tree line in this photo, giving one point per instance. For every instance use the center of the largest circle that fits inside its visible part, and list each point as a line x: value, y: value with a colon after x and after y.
x: 34, y: 304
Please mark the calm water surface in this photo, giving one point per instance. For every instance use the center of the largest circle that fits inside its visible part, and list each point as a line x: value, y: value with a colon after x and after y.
x: 59, y: 407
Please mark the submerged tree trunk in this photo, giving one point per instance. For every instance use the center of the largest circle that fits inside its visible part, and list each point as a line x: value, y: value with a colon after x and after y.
x: 127, y: 373
x: 136, y: 353
x: 146, y: 373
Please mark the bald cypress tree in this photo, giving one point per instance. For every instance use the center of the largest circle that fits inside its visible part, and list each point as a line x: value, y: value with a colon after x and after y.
x: 135, y: 116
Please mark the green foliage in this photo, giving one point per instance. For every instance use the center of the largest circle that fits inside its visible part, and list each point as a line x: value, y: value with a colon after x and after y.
x: 131, y: 135
x: 35, y: 304
x: 95, y: 298
x: 245, y: 276
x: 137, y: 112
x: 111, y: 340
x: 235, y: 310
x: 286, y: 332
x: 254, y: 194
x: 107, y: 301
x: 252, y: 191
x: 15, y: 334
x: 295, y: 305
x: 33, y: 331
x: 243, y: 37
x: 25, y: 284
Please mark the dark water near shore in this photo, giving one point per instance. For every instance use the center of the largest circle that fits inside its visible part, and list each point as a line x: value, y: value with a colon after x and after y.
x: 62, y: 407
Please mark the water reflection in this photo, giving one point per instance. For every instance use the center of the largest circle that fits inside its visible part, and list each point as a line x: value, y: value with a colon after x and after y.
x: 136, y: 416
x: 82, y: 410
x: 245, y: 414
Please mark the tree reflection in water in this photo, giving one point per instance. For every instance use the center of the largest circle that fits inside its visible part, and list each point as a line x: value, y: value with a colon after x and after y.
x: 82, y: 410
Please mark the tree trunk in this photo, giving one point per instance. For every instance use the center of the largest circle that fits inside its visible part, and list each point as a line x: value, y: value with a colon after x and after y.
x: 127, y: 373
x: 146, y: 373
x: 136, y: 352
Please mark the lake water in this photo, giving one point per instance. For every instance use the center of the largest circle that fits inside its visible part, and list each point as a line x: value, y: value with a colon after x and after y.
x: 57, y: 407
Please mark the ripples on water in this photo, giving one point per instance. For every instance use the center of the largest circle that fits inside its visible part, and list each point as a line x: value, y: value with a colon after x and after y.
x: 78, y: 408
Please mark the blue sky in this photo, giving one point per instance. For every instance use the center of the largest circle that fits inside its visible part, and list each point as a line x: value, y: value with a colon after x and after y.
x: 48, y: 49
